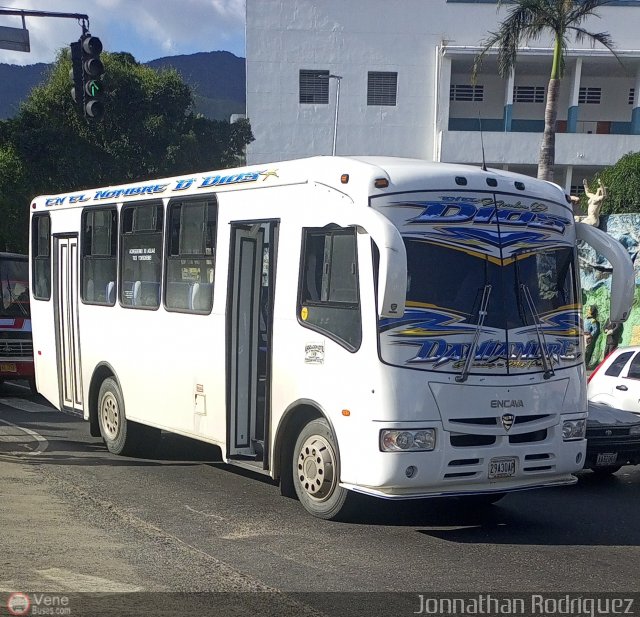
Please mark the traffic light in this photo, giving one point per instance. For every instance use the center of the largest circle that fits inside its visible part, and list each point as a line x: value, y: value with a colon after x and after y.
x: 92, y: 70
x: 86, y: 72
x: 77, y: 92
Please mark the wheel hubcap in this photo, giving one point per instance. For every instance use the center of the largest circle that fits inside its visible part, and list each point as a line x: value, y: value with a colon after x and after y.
x: 110, y: 415
x: 316, y: 467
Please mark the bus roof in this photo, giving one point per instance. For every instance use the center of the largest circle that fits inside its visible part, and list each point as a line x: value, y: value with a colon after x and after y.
x: 352, y: 175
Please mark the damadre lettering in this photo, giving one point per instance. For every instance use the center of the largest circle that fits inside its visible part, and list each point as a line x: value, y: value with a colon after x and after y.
x: 440, y: 351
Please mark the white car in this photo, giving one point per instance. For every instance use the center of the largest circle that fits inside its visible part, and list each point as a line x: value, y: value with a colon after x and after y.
x: 616, y: 380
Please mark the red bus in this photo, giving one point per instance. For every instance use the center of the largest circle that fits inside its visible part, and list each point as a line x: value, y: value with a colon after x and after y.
x: 16, y: 345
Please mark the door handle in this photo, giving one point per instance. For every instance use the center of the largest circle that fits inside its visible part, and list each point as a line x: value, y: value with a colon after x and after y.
x: 623, y: 388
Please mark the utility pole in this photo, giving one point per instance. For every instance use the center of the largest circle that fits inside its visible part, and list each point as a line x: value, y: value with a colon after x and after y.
x: 338, y: 78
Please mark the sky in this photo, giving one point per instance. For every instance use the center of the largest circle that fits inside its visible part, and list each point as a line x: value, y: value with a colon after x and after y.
x: 148, y: 29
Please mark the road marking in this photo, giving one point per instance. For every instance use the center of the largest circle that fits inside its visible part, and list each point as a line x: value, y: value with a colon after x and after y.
x: 74, y: 581
x: 219, y: 518
x: 23, y: 405
x: 65, y: 581
x: 15, y: 384
x: 43, y: 444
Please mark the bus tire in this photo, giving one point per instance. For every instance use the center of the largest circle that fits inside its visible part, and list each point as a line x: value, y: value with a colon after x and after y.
x: 316, y: 472
x: 119, y: 436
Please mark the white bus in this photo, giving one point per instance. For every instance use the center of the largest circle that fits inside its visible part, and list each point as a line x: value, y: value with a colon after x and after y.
x: 387, y: 326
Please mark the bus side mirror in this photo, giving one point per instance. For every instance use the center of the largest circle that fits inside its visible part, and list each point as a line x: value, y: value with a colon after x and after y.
x: 623, y: 280
x: 392, y: 270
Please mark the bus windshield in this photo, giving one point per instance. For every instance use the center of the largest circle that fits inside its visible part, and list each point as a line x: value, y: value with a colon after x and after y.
x: 454, y: 280
x: 14, y: 285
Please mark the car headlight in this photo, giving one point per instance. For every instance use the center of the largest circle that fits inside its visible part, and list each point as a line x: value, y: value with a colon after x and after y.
x: 402, y: 440
x: 574, y: 429
x: 635, y: 430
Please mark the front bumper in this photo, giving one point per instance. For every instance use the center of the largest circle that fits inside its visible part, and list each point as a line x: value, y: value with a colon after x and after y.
x: 12, y: 369
x: 627, y: 452
x: 449, y: 471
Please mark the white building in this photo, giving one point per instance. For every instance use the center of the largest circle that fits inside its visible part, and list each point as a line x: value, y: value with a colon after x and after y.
x: 406, y: 88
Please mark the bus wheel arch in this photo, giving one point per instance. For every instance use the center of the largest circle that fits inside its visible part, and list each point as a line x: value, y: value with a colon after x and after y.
x: 309, y: 462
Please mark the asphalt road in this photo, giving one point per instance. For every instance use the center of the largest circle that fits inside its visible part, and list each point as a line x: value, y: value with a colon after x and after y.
x: 74, y: 518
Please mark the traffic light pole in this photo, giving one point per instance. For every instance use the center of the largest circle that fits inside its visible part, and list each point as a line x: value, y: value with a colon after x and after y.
x: 17, y: 39
x: 29, y: 13
x: 86, y: 66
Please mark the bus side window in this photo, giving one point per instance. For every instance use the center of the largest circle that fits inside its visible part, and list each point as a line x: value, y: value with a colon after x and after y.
x: 41, y: 252
x: 328, y: 297
x: 190, y: 250
x: 99, y: 255
x: 141, y: 255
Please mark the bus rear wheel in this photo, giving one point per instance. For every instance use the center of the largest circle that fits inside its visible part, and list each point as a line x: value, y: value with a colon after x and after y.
x: 316, y: 472
x: 118, y: 434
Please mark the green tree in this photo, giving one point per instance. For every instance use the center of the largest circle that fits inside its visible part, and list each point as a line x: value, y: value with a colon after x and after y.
x: 529, y: 20
x: 14, y: 202
x: 622, y: 182
x: 149, y: 130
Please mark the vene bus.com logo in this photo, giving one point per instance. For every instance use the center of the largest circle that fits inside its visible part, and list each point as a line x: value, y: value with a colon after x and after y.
x: 18, y: 603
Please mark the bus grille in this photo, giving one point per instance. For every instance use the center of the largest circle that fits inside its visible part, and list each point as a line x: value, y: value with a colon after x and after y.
x: 13, y: 349
x: 531, y: 437
x: 495, y: 421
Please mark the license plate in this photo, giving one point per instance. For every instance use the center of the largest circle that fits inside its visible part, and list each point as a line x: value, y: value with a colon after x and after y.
x: 8, y: 367
x: 502, y: 467
x: 606, y: 458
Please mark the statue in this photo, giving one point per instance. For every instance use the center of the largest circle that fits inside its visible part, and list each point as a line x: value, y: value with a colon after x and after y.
x: 595, y: 204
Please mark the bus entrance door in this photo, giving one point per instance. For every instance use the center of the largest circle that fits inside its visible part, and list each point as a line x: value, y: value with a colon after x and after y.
x: 66, y: 320
x: 249, y: 339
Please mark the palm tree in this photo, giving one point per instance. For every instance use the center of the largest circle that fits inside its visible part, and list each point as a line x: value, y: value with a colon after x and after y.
x: 528, y: 20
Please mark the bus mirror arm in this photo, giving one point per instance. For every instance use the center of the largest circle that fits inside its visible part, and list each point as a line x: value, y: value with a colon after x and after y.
x: 392, y: 268
x: 623, y: 276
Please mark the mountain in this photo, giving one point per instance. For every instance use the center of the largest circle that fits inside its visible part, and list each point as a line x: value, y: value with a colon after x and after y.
x: 17, y: 82
x: 217, y: 79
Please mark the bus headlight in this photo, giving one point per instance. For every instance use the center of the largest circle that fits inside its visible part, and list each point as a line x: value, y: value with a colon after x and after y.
x: 415, y: 440
x: 573, y: 429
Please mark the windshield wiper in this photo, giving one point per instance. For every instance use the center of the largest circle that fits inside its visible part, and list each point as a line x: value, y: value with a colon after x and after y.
x: 482, y: 314
x: 547, y: 361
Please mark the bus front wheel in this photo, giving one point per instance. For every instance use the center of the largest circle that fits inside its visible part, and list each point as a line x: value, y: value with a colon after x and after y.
x: 118, y: 434
x: 316, y: 472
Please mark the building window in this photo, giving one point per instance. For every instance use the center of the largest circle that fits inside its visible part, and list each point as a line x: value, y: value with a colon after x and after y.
x: 589, y: 95
x: 141, y: 263
x: 41, y: 252
x: 632, y: 94
x: 191, y: 238
x: 328, y: 298
x: 464, y: 92
x: 382, y: 88
x: 314, y: 87
x: 528, y: 94
x: 577, y: 190
x: 99, y: 255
